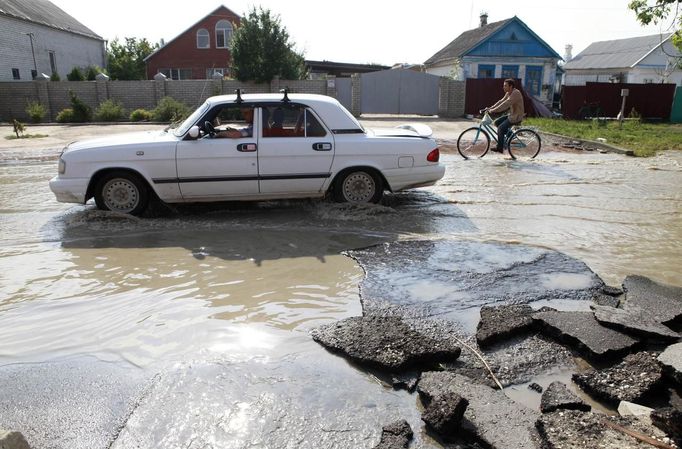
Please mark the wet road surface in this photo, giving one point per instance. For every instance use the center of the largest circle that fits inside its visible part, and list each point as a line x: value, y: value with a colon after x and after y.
x: 190, y: 328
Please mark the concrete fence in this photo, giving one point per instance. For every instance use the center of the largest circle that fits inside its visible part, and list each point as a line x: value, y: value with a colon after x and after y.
x: 145, y: 94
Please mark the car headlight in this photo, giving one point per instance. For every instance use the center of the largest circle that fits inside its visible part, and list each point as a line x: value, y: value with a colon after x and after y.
x: 61, y: 168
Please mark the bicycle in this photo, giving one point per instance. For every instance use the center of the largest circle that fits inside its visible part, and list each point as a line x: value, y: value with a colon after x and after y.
x: 474, y: 142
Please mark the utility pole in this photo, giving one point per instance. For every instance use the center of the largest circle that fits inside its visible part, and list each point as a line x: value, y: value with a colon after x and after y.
x: 35, y: 66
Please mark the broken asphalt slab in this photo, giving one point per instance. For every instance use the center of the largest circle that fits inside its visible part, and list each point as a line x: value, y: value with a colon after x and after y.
x: 451, y: 278
x: 632, y: 380
x: 384, y: 342
x: 490, y: 417
x: 573, y: 429
x: 671, y: 359
x: 583, y: 332
x: 501, y: 322
x: 396, y: 435
x: 558, y: 397
x: 664, y: 302
x: 635, y: 321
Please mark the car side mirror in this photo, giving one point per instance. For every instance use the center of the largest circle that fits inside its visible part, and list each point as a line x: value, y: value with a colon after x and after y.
x: 194, y: 132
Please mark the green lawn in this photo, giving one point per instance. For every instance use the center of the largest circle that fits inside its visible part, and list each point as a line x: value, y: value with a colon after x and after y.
x: 645, y: 139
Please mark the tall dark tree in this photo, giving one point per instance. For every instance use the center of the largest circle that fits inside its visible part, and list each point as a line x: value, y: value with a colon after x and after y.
x: 126, y: 61
x: 657, y: 11
x: 261, y: 49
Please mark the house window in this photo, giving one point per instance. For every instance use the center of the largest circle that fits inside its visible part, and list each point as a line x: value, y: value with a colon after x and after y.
x: 533, y: 79
x: 510, y: 71
x: 486, y: 71
x: 53, y: 62
x: 222, y: 70
x: 34, y: 74
x: 177, y: 74
x: 203, y: 39
x: 223, y: 34
x: 15, y: 74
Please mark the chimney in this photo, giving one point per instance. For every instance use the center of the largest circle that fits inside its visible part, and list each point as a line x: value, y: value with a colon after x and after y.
x: 484, y: 19
x: 568, y: 53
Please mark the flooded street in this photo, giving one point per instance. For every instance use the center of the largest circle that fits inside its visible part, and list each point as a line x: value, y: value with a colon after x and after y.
x: 198, y: 318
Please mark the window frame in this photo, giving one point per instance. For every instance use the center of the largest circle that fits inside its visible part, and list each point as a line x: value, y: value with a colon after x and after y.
x: 53, y: 61
x: 16, y: 74
x: 224, y: 29
x: 203, y: 33
x: 486, y: 67
x: 514, y: 69
x: 530, y: 87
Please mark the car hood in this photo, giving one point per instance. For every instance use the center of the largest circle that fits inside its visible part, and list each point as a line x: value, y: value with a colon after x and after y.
x: 406, y: 130
x: 134, y: 138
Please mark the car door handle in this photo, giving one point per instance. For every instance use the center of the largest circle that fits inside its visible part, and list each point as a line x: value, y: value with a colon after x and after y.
x: 322, y: 146
x: 247, y: 147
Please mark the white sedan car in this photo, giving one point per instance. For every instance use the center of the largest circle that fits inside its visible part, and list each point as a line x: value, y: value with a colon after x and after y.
x: 249, y: 147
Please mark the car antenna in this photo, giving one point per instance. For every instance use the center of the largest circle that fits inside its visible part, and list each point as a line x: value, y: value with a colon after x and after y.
x: 239, y: 96
x: 285, y: 91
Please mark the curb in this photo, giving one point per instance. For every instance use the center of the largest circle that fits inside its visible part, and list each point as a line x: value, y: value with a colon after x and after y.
x: 591, y: 143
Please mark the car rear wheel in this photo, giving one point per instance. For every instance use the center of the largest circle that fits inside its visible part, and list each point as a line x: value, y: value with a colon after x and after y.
x: 358, y: 186
x: 122, y: 192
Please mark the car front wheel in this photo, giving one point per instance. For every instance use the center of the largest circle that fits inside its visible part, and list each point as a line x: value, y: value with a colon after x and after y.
x: 122, y: 192
x: 358, y: 186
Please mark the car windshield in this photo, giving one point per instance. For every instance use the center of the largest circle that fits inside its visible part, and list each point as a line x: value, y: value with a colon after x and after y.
x: 187, y: 124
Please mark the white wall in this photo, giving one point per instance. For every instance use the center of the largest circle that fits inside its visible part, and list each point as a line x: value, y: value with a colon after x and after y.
x: 71, y: 50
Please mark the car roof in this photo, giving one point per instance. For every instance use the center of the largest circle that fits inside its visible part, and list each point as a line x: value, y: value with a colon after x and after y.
x: 333, y: 113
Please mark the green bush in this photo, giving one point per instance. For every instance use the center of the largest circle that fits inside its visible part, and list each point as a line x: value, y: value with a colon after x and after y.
x: 109, y: 111
x: 81, y: 111
x: 36, y: 111
x: 55, y: 77
x: 65, y: 116
x: 140, y: 115
x: 91, y: 72
x: 170, y: 110
x: 75, y: 75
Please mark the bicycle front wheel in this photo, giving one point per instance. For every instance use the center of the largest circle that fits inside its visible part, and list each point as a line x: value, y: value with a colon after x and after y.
x: 524, y: 144
x: 473, y: 143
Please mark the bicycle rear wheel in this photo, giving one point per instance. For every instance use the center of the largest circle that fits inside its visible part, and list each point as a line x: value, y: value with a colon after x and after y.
x: 473, y: 143
x: 524, y: 144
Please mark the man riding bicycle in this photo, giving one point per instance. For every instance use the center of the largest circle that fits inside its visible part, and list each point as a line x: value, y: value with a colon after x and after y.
x: 512, y: 100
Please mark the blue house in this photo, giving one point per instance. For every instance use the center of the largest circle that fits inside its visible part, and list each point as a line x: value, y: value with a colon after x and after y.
x: 505, y: 49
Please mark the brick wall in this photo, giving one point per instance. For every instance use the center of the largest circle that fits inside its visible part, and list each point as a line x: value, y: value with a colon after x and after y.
x: 452, y: 96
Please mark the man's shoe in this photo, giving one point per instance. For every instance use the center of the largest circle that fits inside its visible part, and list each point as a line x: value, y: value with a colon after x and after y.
x: 496, y: 150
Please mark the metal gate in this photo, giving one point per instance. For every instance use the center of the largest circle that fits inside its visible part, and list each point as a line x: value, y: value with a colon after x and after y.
x: 399, y: 92
x: 344, y: 92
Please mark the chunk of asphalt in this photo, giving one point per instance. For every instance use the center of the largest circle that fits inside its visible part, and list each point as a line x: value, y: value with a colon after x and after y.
x: 384, y: 342
x: 491, y: 417
x: 671, y: 359
x: 558, y: 397
x: 664, y: 302
x: 12, y: 440
x: 396, y: 435
x: 443, y: 414
x: 605, y: 300
x: 582, y: 331
x: 574, y: 429
x: 502, y: 322
x: 611, y: 291
x: 635, y: 321
x: 669, y: 420
x: 632, y: 380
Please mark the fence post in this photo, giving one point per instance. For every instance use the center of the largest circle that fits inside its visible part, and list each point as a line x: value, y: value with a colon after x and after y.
x: 43, y: 93
x: 356, y: 94
x: 217, y: 83
x: 331, y: 86
x: 159, y: 87
x: 102, y: 82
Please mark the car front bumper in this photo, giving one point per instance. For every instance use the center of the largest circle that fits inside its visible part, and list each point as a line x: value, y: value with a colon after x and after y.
x: 71, y: 190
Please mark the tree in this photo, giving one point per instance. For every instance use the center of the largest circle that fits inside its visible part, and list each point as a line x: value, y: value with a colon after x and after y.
x: 658, y: 11
x: 261, y: 49
x: 126, y: 61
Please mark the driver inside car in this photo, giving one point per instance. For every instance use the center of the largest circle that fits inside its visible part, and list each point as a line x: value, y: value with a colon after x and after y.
x: 237, y: 132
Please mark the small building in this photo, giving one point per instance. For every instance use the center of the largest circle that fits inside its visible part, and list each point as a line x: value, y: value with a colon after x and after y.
x: 504, y: 49
x: 198, y: 52
x: 36, y: 37
x: 636, y: 60
x: 322, y: 69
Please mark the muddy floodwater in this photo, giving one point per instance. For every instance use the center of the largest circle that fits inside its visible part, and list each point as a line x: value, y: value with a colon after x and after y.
x: 190, y: 328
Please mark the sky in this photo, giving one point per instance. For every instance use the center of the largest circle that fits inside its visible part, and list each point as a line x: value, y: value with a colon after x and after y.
x: 373, y: 31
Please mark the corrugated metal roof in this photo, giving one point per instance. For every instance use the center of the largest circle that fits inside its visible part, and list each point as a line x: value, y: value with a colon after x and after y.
x: 616, y: 54
x: 45, y: 13
x: 465, y: 42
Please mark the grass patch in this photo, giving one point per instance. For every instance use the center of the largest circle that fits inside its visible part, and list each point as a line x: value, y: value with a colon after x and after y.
x: 26, y: 136
x: 645, y: 139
